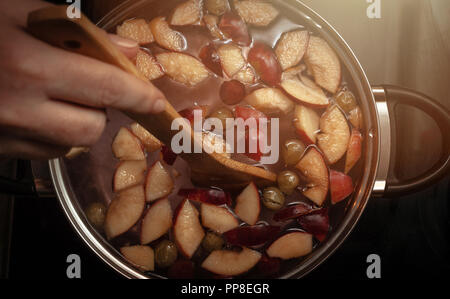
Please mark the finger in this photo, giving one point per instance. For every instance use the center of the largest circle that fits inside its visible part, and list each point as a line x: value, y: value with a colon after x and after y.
x: 13, y: 147
x: 126, y: 46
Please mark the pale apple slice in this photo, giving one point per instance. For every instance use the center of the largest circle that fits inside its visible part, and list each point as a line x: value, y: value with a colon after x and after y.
x: 217, y: 7
x: 219, y: 219
x: 147, y: 64
x: 187, y: 229
x: 256, y: 12
x: 293, y: 72
x: 315, y: 171
x: 231, y: 58
x: 270, y: 100
x: 212, y: 23
x: 137, y: 30
x: 248, y: 204
x: 187, y: 13
x: 354, y: 150
x: 231, y: 263
x: 306, y: 124
x: 291, y: 48
x: 246, y: 75
x: 324, y: 64
x: 140, y: 256
x: 157, y: 221
x: 303, y: 94
x: 355, y: 117
x: 159, y: 183
x: 334, y: 134
x: 183, y: 68
x: 124, y: 211
x: 311, y: 84
x: 291, y: 245
x: 150, y: 142
x: 165, y: 36
x: 126, y: 146
x: 129, y: 174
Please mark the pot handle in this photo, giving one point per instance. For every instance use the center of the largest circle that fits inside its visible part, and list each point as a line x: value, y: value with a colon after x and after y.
x: 392, y: 96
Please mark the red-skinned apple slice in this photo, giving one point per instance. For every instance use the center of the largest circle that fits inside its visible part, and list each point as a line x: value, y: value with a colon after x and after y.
x: 306, y: 124
x: 126, y: 146
x: 248, y: 204
x: 303, y: 94
x: 355, y: 117
x: 165, y: 36
x: 157, y: 221
x: 341, y: 186
x: 315, y: 171
x: 231, y: 59
x: 183, y: 68
x: 142, y: 257
x: 231, y: 263
x: 234, y: 28
x: 293, y: 211
x: 291, y: 48
x: 265, y: 63
x: 257, y: 13
x: 124, y: 211
x: 150, y: 142
x: 293, y: 72
x: 316, y: 223
x: 212, y: 23
x: 159, y: 183
x: 208, y: 55
x: 291, y: 245
x: 270, y: 100
x: 217, y: 7
x: 247, y: 113
x: 187, y: 13
x: 334, y: 135
x: 137, y: 30
x: 209, y: 196
x: 311, y: 84
x: 324, y: 64
x: 354, y: 150
x: 187, y: 229
x: 219, y: 219
x: 232, y: 92
x: 250, y: 236
x: 129, y: 174
x: 148, y: 65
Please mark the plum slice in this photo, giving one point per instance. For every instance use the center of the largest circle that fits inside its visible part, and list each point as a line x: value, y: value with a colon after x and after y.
x: 157, y: 221
x: 143, y: 257
x: 137, y: 30
x: 187, y: 229
x: 316, y: 223
x: 257, y: 13
x: 150, y: 142
x: 231, y: 263
x: 250, y: 236
x: 165, y: 36
x: 183, y: 68
x: 248, y: 204
x: 353, y: 150
x: 293, y: 211
x: 159, y: 183
x: 291, y: 245
x: 209, y: 196
x: 219, y: 219
x: 147, y: 64
x: 265, y: 63
x: 270, y: 100
x: 291, y: 48
x: 187, y: 13
x: 306, y: 124
x: 126, y: 146
x: 129, y: 174
x: 208, y: 55
x: 234, y: 28
x: 301, y: 93
x: 341, y: 186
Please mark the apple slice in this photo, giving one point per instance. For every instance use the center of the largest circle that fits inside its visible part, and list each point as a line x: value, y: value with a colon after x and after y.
x: 187, y: 229
x: 231, y: 263
x: 250, y: 236
x: 157, y: 221
x: 315, y: 171
x: 232, y: 92
x: 293, y: 72
x: 311, y: 84
x: 209, y: 196
x: 354, y: 150
x: 126, y: 146
x: 187, y: 13
x: 150, y: 142
x: 303, y: 94
x: 183, y: 68
x: 165, y: 36
x: 291, y: 245
x: 355, y: 117
x: 246, y: 75
x: 293, y: 211
x: 124, y: 211
x: 234, y: 28
x: 217, y: 7
x: 248, y: 204
x: 265, y: 63
x: 291, y: 48
x: 137, y: 30
x: 306, y: 123
x: 148, y: 65
x: 159, y: 183
x: 142, y: 257
x: 270, y: 100
x: 231, y: 58
x: 189, y: 113
x: 129, y: 174
x: 341, y: 186
x: 219, y: 219
x: 208, y: 55
x: 324, y: 64
x: 334, y: 135
x: 212, y: 23
x: 317, y: 223
x: 258, y: 13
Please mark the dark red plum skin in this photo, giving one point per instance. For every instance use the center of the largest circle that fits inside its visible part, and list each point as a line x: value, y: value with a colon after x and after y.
x: 255, y: 235
x: 211, y: 196
x: 316, y: 223
x: 292, y: 212
x: 232, y: 25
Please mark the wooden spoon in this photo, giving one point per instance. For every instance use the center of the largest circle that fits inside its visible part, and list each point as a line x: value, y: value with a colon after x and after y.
x: 80, y: 36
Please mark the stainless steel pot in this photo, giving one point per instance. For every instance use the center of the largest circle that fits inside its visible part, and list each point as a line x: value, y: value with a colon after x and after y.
x: 71, y: 180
